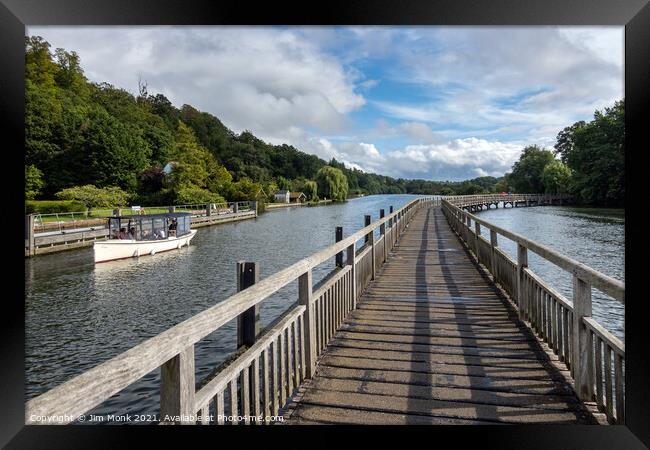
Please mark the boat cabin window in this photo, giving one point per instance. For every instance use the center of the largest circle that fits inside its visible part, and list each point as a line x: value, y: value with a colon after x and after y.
x: 144, y: 228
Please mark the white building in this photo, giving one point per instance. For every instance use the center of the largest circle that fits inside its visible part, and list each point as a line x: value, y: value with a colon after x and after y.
x: 282, y: 196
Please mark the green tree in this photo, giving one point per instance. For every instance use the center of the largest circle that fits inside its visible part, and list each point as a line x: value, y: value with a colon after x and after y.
x: 595, y: 152
x: 33, y: 182
x: 526, y: 173
x: 332, y: 183
x: 192, y: 195
x: 310, y: 188
x: 556, y: 178
x: 94, y: 197
x: 504, y: 184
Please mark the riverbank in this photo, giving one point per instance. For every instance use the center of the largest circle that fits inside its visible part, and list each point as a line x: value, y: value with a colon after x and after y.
x: 271, y: 206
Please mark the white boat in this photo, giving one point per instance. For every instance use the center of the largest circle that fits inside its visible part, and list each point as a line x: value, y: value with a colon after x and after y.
x: 135, y: 236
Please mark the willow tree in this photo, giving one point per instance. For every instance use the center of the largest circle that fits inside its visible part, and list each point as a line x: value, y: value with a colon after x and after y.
x: 332, y: 183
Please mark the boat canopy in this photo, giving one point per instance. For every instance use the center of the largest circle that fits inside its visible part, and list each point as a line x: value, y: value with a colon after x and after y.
x: 149, y: 227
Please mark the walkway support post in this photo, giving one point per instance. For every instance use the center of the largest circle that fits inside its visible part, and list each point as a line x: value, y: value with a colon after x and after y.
x: 493, y: 261
x: 581, y: 362
x: 177, y: 388
x: 208, y: 209
x: 248, y: 322
x: 370, y: 239
x: 305, y: 298
x: 339, y: 237
x: 522, y: 263
x: 382, y: 234
x: 352, y: 255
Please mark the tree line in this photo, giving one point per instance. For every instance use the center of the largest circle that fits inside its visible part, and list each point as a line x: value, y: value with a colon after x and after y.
x: 94, y: 140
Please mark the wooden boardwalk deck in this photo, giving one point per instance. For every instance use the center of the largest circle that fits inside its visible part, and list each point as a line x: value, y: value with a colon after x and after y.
x: 433, y: 341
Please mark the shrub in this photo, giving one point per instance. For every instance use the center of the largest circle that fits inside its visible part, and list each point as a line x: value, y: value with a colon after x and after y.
x: 53, y: 206
x: 192, y: 195
x: 33, y: 182
x: 94, y: 197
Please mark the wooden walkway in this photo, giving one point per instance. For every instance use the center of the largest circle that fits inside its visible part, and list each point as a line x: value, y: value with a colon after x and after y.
x: 433, y: 341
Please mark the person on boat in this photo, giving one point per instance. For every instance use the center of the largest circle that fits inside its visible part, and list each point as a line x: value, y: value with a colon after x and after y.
x: 131, y: 234
x: 172, y: 227
x: 159, y: 234
x: 122, y: 233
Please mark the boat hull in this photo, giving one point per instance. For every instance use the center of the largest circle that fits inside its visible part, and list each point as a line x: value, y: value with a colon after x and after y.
x: 126, y: 248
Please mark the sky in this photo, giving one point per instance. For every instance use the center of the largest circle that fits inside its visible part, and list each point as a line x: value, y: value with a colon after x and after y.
x: 437, y: 103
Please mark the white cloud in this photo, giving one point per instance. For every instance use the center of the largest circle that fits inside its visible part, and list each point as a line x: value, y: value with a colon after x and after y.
x: 262, y: 79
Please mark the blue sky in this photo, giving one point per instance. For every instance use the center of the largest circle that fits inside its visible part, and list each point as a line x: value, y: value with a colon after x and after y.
x: 442, y: 103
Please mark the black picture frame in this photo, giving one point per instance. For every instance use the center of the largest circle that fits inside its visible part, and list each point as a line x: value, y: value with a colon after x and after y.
x: 633, y: 14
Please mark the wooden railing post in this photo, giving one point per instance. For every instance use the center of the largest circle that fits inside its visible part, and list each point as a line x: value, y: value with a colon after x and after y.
x: 305, y: 298
x: 208, y: 209
x: 493, y: 245
x: 235, y: 207
x: 477, y: 233
x: 391, y: 221
x: 339, y: 237
x: 581, y: 354
x: 177, y: 388
x: 522, y: 263
x: 382, y: 233
x: 248, y: 322
x: 254, y: 206
x: 371, y: 242
x: 352, y: 255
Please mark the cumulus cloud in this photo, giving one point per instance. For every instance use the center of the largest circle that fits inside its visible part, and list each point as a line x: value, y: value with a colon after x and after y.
x: 261, y: 79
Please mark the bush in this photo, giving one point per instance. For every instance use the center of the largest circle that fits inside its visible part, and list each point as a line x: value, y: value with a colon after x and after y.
x: 192, y: 195
x: 53, y: 206
x: 94, y: 197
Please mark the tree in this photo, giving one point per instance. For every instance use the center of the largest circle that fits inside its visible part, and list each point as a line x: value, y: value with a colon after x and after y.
x: 504, y: 184
x: 526, y: 173
x: 595, y: 152
x: 310, y: 188
x: 33, y: 182
x: 94, y: 197
x: 192, y: 195
x: 332, y: 183
x: 556, y: 178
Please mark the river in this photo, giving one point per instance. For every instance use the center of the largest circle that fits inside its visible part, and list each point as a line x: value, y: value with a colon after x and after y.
x: 79, y: 314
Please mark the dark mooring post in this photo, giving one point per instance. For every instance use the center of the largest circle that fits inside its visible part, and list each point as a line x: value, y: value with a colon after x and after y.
x: 248, y: 322
x: 339, y: 255
x: 366, y: 222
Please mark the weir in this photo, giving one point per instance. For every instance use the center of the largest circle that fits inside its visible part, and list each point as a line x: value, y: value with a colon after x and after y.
x: 427, y: 322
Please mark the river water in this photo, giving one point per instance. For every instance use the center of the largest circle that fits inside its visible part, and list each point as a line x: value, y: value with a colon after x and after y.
x: 593, y: 236
x: 79, y: 314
